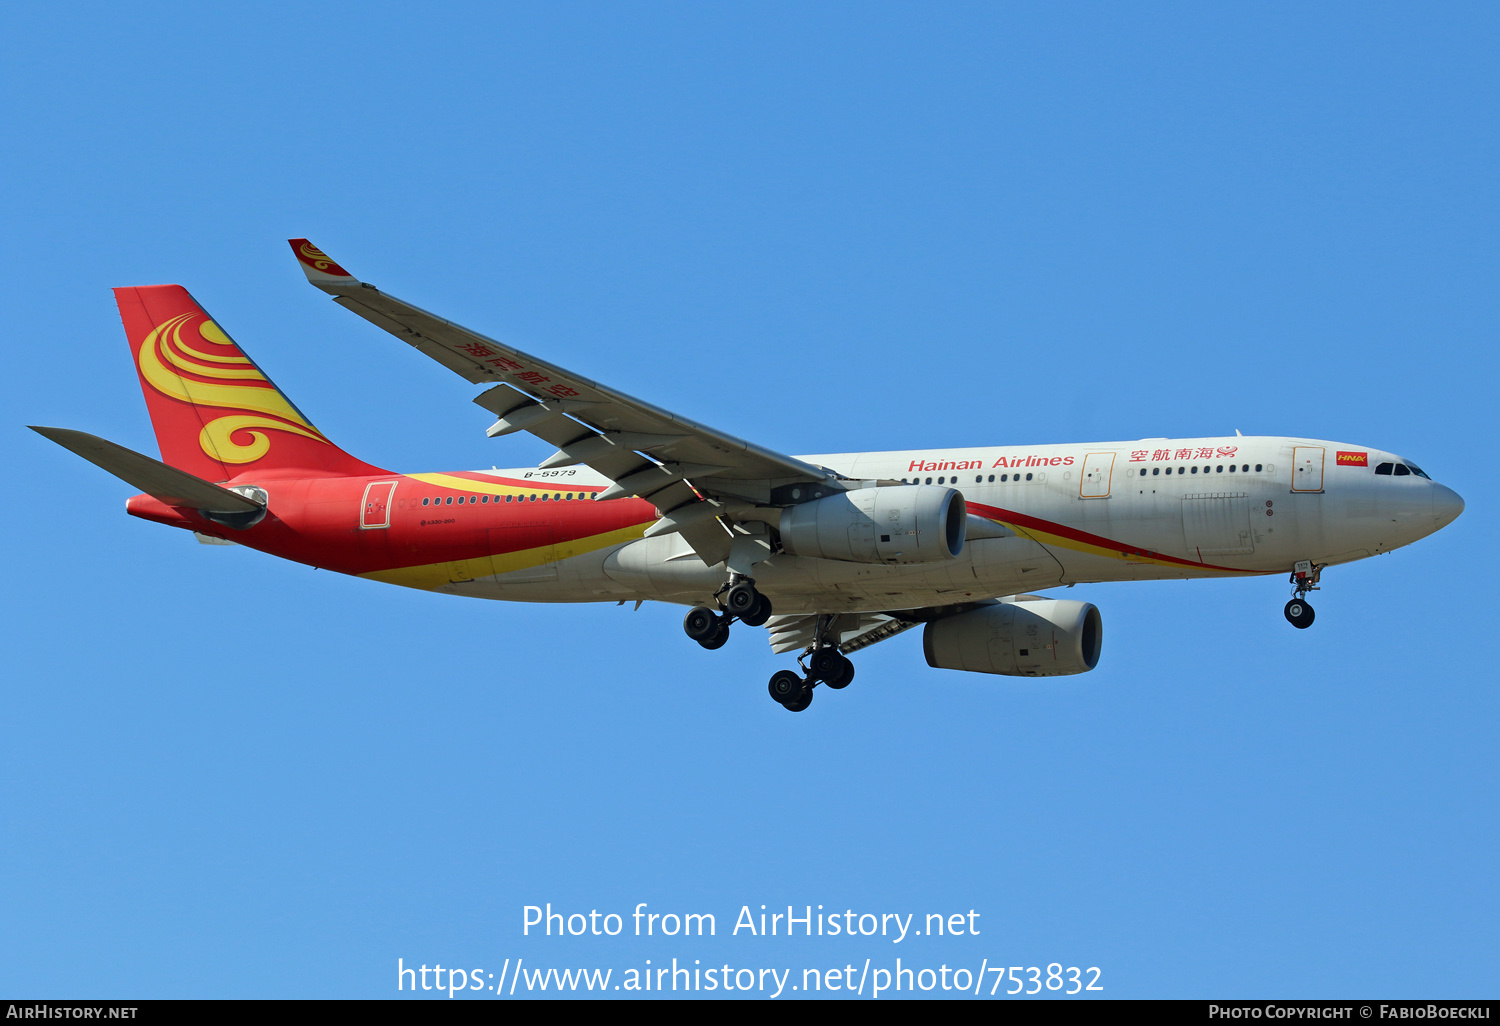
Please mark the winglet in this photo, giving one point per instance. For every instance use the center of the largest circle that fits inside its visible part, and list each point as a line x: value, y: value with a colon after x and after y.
x: 320, y: 270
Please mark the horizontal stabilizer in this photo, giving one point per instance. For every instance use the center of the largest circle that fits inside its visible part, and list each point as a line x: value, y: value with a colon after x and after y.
x: 170, y: 485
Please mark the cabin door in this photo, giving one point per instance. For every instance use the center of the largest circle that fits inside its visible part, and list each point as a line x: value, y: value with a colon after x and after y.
x: 1307, y: 468
x: 375, y: 511
x: 1094, y: 482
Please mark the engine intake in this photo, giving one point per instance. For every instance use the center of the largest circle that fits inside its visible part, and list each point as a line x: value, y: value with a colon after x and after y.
x: 1033, y: 637
x: 885, y: 524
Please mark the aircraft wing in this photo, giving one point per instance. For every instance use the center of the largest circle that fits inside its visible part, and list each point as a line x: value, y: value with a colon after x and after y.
x: 698, y: 477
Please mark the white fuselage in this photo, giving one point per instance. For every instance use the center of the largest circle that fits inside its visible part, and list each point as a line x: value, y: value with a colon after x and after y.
x: 1049, y: 515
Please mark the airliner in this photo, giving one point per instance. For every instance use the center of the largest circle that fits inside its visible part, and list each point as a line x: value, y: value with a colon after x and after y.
x: 829, y: 553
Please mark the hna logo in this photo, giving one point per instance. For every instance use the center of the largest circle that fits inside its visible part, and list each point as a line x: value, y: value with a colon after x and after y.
x: 1352, y: 459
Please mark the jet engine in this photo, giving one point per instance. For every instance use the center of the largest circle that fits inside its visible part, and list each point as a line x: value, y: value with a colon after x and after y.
x: 885, y: 524
x: 1026, y: 637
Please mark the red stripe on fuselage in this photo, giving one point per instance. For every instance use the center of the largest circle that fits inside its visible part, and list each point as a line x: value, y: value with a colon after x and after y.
x: 1007, y: 516
x: 317, y: 521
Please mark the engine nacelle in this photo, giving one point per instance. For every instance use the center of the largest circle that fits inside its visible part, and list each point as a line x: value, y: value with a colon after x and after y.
x: 1033, y: 637
x: 885, y: 524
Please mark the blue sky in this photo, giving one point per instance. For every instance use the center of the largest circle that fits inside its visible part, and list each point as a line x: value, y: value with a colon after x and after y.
x: 825, y: 227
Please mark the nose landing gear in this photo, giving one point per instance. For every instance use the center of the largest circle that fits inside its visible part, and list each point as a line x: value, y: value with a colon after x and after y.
x: 1305, y: 576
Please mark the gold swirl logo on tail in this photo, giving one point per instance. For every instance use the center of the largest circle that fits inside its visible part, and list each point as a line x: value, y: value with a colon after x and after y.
x: 166, y: 361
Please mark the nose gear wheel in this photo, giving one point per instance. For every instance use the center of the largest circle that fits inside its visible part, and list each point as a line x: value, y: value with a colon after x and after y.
x: 1305, y: 577
x: 1299, y: 613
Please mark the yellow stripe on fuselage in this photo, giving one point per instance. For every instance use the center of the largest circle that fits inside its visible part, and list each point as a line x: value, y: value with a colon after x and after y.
x: 465, y: 484
x: 436, y: 575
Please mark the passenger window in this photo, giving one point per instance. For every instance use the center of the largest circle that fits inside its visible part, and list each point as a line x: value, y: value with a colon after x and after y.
x: 929, y: 480
x: 1028, y: 477
x: 426, y: 502
x: 1401, y: 470
x: 1231, y: 468
x: 1219, y: 469
x: 1384, y: 469
x: 1245, y: 468
x: 460, y: 500
x: 1155, y: 471
x: 509, y: 498
x: 448, y: 501
x: 544, y: 496
x: 992, y: 479
x: 1257, y: 468
x: 1195, y: 470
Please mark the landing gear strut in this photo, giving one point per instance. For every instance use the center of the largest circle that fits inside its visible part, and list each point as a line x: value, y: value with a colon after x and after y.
x: 740, y: 601
x: 1299, y: 612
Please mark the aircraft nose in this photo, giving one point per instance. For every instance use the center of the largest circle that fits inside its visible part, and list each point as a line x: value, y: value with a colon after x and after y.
x: 1446, y: 505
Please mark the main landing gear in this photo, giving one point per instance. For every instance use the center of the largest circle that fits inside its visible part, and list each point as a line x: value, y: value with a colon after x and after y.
x: 822, y: 664
x: 740, y: 601
x: 1299, y: 612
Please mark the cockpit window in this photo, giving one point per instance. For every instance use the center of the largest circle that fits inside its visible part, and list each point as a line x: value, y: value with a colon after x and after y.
x: 1401, y: 470
x: 1384, y: 468
x: 1418, y: 471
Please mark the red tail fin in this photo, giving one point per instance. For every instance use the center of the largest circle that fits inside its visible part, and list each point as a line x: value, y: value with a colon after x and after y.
x: 215, y: 414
